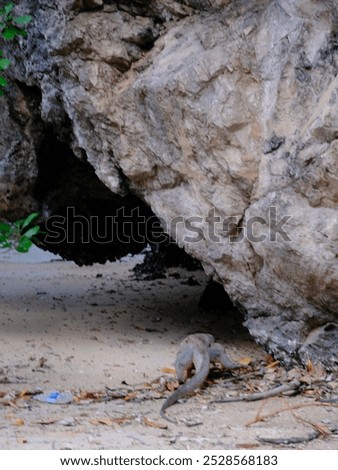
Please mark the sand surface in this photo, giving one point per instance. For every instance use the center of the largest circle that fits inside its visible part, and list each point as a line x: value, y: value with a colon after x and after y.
x: 92, y: 329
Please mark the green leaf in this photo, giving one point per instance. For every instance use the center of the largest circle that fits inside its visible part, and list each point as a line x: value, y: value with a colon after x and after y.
x: 8, y: 8
x: 4, y: 63
x: 1, y: 92
x: 5, y: 228
x: 3, y: 82
x: 22, y: 19
x: 4, y: 241
x: 3, y: 238
x: 12, y: 31
x: 5, y: 244
x: 32, y: 231
x: 29, y: 219
x: 19, y: 223
x: 24, y: 245
x: 9, y: 33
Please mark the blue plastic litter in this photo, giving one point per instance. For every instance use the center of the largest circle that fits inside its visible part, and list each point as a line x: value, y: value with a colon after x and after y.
x: 55, y: 397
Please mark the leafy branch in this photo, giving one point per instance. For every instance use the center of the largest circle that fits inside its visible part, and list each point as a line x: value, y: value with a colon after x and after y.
x: 20, y: 234
x: 10, y: 29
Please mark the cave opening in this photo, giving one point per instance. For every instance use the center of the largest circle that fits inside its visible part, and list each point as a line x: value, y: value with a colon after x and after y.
x: 83, y: 220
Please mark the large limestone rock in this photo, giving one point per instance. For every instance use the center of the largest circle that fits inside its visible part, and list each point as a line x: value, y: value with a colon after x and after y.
x: 222, y: 117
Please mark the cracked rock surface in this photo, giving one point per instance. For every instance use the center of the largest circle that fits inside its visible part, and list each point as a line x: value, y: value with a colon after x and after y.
x: 222, y: 117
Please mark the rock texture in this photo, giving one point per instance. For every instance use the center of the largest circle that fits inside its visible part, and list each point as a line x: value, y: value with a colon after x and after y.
x: 222, y: 116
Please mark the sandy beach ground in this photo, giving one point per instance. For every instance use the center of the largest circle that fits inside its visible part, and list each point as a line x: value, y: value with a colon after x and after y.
x: 111, y: 341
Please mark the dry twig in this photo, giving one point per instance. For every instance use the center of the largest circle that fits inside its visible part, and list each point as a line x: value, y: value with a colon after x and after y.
x: 287, y: 408
x: 292, y: 386
x: 290, y: 440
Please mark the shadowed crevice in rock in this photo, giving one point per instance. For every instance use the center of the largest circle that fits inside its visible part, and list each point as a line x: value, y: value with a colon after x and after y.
x: 162, y: 256
x: 84, y: 221
x: 215, y: 299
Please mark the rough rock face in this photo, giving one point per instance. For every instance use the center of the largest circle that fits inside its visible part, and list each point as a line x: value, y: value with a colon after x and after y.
x: 222, y: 116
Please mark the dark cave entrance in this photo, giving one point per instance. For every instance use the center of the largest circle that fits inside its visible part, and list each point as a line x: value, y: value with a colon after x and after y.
x: 83, y: 220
